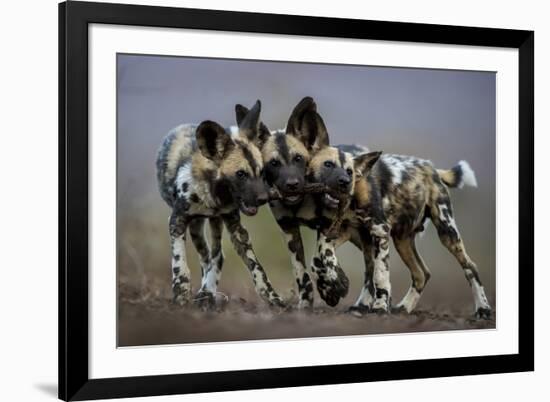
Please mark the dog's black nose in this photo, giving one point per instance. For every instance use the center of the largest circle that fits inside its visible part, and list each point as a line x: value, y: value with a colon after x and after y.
x: 262, y: 199
x: 292, y: 184
x: 344, y: 181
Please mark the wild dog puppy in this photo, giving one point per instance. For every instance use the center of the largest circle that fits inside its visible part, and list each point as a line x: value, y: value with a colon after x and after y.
x: 213, y: 177
x: 395, y: 197
x: 286, y: 155
x: 340, y: 172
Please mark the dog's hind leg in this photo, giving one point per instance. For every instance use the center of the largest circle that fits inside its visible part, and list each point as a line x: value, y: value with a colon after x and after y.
x: 442, y: 217
x: 420, y: 274
x: 241, y: 240
x: 181, y: 276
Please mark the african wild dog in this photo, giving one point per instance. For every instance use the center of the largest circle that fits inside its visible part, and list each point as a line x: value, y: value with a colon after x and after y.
x: 213, y: 177
x: 394, y: 198
x: 286, y: 155
x: 339, y: 171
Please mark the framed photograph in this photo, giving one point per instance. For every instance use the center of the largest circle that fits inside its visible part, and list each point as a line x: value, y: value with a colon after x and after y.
x: 365, y: 187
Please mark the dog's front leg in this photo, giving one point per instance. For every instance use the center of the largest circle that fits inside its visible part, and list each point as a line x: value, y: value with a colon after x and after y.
x: 181, y: 276
x: 363, y: 304
x: 243, y: 246
x: 332, y: 282
x: 297, y: 257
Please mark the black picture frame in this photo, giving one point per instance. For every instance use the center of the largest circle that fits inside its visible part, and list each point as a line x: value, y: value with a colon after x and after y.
x: 74, y: 18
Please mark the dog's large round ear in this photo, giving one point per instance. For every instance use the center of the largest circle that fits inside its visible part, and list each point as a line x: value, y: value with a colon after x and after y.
x: 240, y: 112
x: 250, y: 125
x: 314, y: 132
x: 364, y: 163
x: 249, y: 121
x: 294, y: 123
x: 308, y: 126
x: 213, y: 141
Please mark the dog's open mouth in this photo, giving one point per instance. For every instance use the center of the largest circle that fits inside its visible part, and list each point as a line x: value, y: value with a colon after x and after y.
x: 292, y: 199
x: 248, y: 210
x: 330, y: 201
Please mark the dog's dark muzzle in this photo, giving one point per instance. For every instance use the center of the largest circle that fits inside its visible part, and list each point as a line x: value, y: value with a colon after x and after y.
x: 254, y: 196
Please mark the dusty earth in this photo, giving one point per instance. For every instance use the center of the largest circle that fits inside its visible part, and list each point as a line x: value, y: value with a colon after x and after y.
x: 149, y: 318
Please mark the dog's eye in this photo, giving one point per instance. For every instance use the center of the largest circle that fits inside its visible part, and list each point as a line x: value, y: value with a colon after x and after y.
x: 329, y: 164
x: 241, y: 174
x: 298, y: 158
x: 274, y: 162
x: 349, y: 172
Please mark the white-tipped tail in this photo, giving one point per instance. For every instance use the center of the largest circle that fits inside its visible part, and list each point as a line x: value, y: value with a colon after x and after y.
x: 458, y: 176
x: 468, y: 175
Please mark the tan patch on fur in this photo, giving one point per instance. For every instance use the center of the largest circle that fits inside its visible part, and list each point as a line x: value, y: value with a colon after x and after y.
x: 199, y: 171
x: 180, y: 148
x: 448, y: 176
x: 362, y: 192
x: 295, y: 146
x: 325, y: 154
x: 269, y: 150
x: 236, y: 160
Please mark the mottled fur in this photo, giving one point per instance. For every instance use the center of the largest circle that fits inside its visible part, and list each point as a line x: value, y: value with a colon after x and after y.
x: 286, y: 156
x: 394, y: 200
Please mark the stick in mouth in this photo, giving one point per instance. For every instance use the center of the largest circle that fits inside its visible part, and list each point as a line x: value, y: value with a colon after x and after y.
x: 339, y: 199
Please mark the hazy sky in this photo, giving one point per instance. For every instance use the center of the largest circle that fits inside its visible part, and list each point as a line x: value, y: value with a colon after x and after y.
x: 437, y: 114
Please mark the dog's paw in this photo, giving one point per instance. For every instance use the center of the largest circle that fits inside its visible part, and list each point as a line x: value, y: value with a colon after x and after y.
x: 304, y: 305
x: 483, y: 313
x: 380, y: 306
x: 205, y: 300
x: 277, y: 304
x: 182, y: 295
x: 358, y: 310
x: 333, y: 287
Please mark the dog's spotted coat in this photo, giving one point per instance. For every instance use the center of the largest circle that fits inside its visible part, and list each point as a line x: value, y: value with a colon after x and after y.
x: 394, y: 199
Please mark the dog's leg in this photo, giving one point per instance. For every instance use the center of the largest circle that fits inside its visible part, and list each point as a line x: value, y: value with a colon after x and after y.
x: 297, y: 257
x: 332, y: 282
x: 380, y: 233
x: 442, y: 217
x: 366, y: 297
x: 420, y: 274
x: 216, y: 254
x: 181, y: 276
x: 243, y: 246
x: 205, y: 298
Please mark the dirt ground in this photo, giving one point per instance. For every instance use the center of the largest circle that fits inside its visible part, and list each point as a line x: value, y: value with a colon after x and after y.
x: 146, y: 318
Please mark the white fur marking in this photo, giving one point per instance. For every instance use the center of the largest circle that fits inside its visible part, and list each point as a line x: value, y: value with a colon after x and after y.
x: 184, y: 176
x: 410, y: 300
x: 396, y: 167
x: 450, y: 222
x: 468, y: 175
x: 234, y: 131
x: 479, y: 296
x: 365, y: 298
x: 212, y: 274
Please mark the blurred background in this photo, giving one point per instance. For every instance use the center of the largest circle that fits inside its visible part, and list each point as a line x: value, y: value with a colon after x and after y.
x: 441, y: 115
